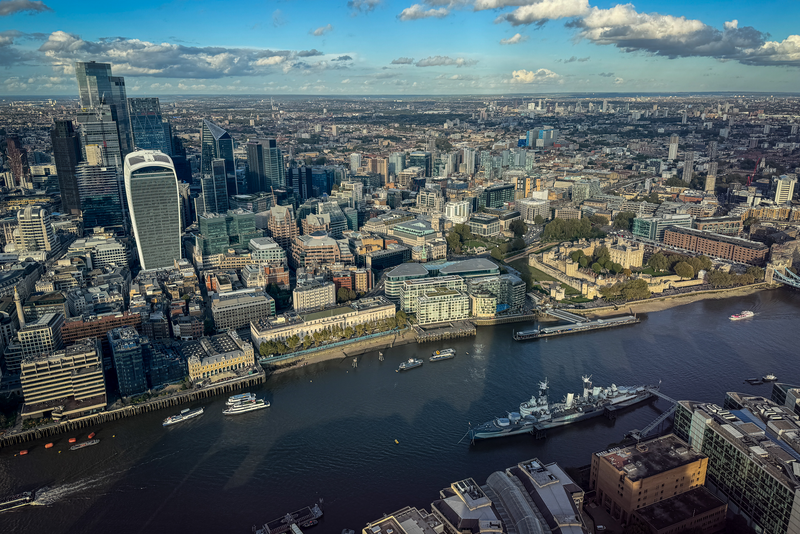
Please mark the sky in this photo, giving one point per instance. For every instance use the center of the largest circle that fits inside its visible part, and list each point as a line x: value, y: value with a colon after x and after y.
x: 396, y: 47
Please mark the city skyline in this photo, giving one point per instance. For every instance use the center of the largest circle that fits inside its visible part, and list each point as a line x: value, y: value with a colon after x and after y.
x: 375, y: 47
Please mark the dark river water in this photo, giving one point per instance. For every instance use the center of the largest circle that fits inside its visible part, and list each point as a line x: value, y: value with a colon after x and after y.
x: 331, y: 430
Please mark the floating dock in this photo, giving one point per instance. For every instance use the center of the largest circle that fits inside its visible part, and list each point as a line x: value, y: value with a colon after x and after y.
x: 285, y: 523
x: 574, y: 328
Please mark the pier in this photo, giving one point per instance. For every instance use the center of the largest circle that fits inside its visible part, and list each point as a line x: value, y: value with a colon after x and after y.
x: 159, y: 403
x: 575, y: 327
x: 443, y: 331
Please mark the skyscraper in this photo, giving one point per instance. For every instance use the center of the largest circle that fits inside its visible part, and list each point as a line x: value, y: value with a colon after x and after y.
x: 711, y: 177
x: 100, y: 191
x: 712, y: 150
x: 154, y: 204
x: 423, y: 160
x: 99, y: 126
x: 67, y: 155
x: 97, y: 87
x: 18, y: 161
x: 688, y: 166
x: 126, y: 347
x: 673, y: 147
x: 784, y: 188
x: 34, y: 230
x: 215, y: 188
x: 256, y: 173
x: 149, y: 129
x: 355, y: 162
x: 300, y: 181
x: 216, y: 143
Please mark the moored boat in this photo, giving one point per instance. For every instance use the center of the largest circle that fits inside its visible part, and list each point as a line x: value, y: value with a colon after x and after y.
x: 48, y: 446
x: 23, y: 452
x: 240, y: 398
x: 769, y: 378
x: 72, y: 440
x: 444, y: 354
x: 409, y: 364
x: 84, y: 444
x: 246, y: 406
x: 91, y: 435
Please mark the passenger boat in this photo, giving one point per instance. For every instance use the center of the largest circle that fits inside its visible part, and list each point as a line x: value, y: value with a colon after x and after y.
x: 444, y: 354
x: 246, y: 406
x: 183, y: 416
x: 15, y: 501
x: 73, y: 440
x: 409, y: 364
x: 240, y: 398
x: 769, y: 378
x: 746, y: 314
x: 48, y: 446
x: 84, y: 444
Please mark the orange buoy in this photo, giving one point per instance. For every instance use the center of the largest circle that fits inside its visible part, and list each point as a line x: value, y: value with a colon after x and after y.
x: 48, y: 446
x: 91, y: 435
x: 23, y: 453
x: 73, y: 440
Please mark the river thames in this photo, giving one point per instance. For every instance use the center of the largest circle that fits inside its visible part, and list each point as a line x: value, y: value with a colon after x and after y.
x: 331, y: 430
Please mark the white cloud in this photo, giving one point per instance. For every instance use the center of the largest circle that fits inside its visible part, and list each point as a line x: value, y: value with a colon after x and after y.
x: 541, y: 76
x: 418, y: 11
x: 618, y: 81
x: 516, y: 39
x: 445, y: 61
x: 322, y: 30
x: 403, y: 61
x: 345, y: 81
x: 544, y: 10
x: 271, y: 60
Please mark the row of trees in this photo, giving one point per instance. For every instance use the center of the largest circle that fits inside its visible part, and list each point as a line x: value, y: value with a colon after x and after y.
x: 570, y: 230
x: 678, y: 263
x: 630, y: 290
x: 722, y: 279
x: 600, y: 260
x: 624, y: 220
x: 334, y: 333
x: 345, y: 294
x: 500, y: 251
x: 458, y: 236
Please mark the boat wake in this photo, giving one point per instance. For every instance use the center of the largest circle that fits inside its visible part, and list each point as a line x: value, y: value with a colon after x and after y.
x: 52, y: 494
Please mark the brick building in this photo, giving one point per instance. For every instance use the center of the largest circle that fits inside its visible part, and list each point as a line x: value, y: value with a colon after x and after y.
x: 716, y: 245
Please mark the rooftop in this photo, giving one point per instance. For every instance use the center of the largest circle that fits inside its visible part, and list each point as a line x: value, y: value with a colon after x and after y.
x: 469, y: 266
x: 651, y: 457
x: 676, y: 509
x: 755, y: 245
x: 408, y: 269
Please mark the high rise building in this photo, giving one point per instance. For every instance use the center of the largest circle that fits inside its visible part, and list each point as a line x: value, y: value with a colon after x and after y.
x: 129, y: 364
x: 711, y: 177
x: 219, y: 232
x: 784, y: 188
x: 281, y: 226
x: 98, y: 88
x: 712, y: 150
x: 673, y: 147
x: 99, y: 127
x: 688, y: 166
x: 35, y: 232
x: 265, y: 167
x: 67, y: 155
x: 154, y: 205
x: 215, y: 188
x: 423, y: 160
x: 355, y: 162
x: 216, y: 143
x: 18, y: 161
x: 100, y: 191
x: 149, y: 129
x: 397, y: 162
x: 300, y: 181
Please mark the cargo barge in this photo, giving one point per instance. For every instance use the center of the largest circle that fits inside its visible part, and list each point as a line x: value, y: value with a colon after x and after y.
x: 588, y: 326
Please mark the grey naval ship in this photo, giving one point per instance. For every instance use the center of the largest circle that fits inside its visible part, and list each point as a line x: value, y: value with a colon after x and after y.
x: 538, y: 414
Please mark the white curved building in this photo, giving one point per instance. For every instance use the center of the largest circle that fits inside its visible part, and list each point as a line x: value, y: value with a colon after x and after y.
x: 154, y: 204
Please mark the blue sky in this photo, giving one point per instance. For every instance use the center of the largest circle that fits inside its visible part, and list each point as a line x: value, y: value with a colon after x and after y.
x: 403, y: 46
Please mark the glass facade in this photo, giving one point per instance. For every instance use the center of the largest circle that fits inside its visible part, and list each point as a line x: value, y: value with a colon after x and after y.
x: 154, y: 205
x: 99, y: 127
x: 215, y: 188
x: 96, y: 88
x: 67, y: 155
x: 100, y: 192
x: 149, y: 130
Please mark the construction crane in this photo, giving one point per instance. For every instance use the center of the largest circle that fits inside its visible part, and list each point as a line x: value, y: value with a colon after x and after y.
x: 755, y: 170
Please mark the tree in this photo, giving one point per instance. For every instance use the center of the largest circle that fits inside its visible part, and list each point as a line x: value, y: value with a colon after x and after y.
x: 538, y: 219
x: 616, y: 267
x: 518, y: 244
x: 624, y: 219
x: 351, y: 295
x: 401, y: 318
x: 348, y: 332
x: 596, y: 267
x: 750, y: 221
x: 307, y: 342
x: 343, y: 294
x: 519, y: 227
x: 360, y: 330
x: 602, y: 255
x: 293, y: 342
x: 756, y: 272
x: 497, y: 254
x: 576, y: 255
x: 627, y: 272
x: 684, y: 270
x: 454, y: 242
x: 599, y: 220
x: 583, y: 261
x: 658, y: 262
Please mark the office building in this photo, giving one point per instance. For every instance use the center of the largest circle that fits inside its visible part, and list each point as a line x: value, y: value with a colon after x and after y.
x: 67, y: 155
x: 495, y: 196
x: 216, y: 144
x: 673, y: 147
x: 217, y: 355
x: 126, y: 346
x: 18, y: 161
x: 99, y: 251
x: 653, y: 228
x: 716, y: 245
x: 711, y: 177
x: 220, y: 232
x: 265, y: 168
x: 34, y: 338
x: 34, y: 230
x: 214, y: 191
x: 362, y: 311
x: 688, y: 166
x: 784, y: 188
x: 149, y: 129
x: 98, y: 326
x: 64, y: 384
x: 313, y: 296
x: 397, y: 162
x: 99, y: 127
x: 413, y: 288
x: 483, y: 224
x: 355, y: 162
x: 97, y: 88
x: 752, y: 449
x: 154, y: 205
x: 627, y: 479
x: 696, y: 510
x: 100, y: 192
x: 398, y: 275
x: 299, y: 180
x: 458, y: 212
x: 235, y: 309
x: 265, y: 249
x: 318, y: 250
x: 423, y: 160
x: 508, y: 289
x: 529, y: 208
x: 281, y: 226
x: 584, y: 190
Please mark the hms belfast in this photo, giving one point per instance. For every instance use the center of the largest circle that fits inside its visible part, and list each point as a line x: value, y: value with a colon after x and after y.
x: 537, y: 414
